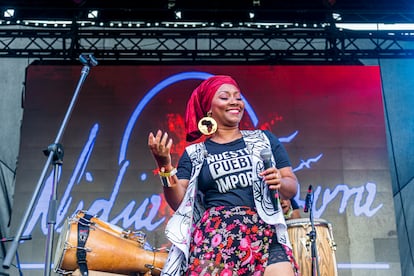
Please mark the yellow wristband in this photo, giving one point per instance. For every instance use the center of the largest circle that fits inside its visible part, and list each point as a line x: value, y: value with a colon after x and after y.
x: 288, y: 215
x: 167, y: 174
x: 164, y: 176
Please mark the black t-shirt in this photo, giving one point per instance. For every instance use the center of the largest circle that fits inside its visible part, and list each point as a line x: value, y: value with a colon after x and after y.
x: 226, y: 175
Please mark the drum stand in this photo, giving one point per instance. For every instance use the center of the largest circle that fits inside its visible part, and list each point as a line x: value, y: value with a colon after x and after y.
x: 4, y: 240
x: 55, y: 153
x: 312, y: 234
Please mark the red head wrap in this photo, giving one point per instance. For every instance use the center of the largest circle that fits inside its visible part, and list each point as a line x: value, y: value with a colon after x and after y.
x: 200, y: 103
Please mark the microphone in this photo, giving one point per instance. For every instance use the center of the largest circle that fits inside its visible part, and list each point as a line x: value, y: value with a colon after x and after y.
x: 308, y: 200
x: 88, y: 60
x: 266, y: 155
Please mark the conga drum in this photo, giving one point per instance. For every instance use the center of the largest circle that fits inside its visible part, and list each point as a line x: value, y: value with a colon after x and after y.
x: 108, y: 248
x: 298, y: 230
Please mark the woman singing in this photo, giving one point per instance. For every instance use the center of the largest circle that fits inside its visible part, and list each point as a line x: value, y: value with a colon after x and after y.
x: 225, y: 221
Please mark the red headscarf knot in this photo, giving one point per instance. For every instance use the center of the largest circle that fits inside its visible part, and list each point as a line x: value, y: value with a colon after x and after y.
x: 200, y: 103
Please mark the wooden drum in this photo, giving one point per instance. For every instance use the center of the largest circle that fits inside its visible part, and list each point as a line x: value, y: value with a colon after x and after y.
x: 108, y: 249
x: 298, y: 230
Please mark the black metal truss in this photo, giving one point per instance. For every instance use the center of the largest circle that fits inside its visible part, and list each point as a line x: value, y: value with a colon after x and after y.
x: 273, y: 45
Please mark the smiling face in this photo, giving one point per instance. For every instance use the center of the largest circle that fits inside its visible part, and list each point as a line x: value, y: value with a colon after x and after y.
x: 227, y: 106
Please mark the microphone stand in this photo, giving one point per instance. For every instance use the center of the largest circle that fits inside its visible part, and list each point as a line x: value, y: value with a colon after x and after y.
x: 55, y: 154
x: 312, y: 238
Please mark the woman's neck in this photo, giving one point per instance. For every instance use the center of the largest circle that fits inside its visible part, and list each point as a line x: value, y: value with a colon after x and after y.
x: 226, y: 135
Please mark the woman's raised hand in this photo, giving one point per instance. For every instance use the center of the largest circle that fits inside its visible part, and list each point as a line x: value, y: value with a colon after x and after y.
x: 160, y: 146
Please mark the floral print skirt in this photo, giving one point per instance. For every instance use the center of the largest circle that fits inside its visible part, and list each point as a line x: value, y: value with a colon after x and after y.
x: 230, y: 241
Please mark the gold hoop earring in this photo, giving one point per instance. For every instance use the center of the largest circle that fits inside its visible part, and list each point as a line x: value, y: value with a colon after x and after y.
x: 207, y: 125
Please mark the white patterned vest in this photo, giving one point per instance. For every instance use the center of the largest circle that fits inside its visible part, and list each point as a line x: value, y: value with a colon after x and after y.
x: 180, y: 225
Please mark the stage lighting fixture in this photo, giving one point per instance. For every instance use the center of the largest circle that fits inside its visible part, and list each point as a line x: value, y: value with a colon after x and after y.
x: 171, y: 4
x: 336, y: 16
x: 8, y: 13
x: 178, y: 14
x: 93, y: 14
x: 251, y: 15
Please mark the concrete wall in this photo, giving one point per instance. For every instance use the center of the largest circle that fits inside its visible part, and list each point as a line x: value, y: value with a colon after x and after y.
x: 12, y: 77
x: 398, y: 86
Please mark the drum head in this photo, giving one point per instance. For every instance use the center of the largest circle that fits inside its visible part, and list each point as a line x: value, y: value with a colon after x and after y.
x: 306, y: 222
x: 61, y: 246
